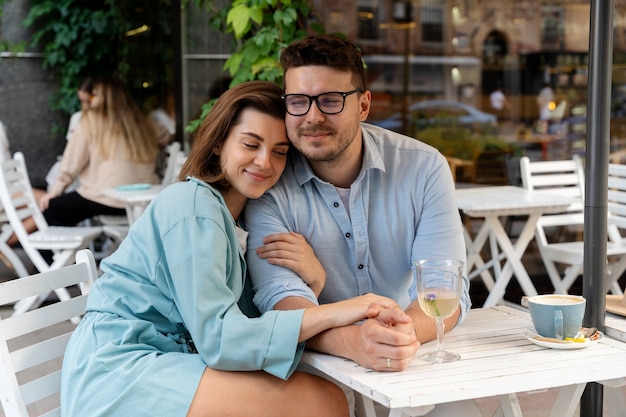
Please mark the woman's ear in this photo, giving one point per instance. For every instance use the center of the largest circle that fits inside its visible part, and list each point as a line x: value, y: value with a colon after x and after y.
x: 216, y: 150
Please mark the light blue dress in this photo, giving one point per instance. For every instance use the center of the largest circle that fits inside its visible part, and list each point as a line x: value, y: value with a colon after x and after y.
x: 171, y: 290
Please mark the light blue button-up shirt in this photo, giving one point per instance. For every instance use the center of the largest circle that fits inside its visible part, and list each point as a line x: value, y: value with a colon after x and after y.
x: 402, y: 209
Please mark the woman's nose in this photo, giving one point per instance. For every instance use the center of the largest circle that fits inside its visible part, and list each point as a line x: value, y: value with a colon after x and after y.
x: 263, y: 159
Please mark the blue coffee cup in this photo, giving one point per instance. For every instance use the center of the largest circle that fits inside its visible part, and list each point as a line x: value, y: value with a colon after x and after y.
x: 557, y: 315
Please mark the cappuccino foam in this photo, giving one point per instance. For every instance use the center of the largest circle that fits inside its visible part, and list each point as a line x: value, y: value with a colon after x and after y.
x: 556, y: 300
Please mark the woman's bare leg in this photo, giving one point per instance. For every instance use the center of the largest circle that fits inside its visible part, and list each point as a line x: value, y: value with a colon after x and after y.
x: 258, y: 394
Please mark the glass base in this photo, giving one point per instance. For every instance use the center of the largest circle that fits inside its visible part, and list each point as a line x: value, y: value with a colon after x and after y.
x: 439, y: 356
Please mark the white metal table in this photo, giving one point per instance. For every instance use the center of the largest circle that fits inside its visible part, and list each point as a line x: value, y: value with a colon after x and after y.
x: 496, y: 360
x: 135, y: 200
x: 491, y: 203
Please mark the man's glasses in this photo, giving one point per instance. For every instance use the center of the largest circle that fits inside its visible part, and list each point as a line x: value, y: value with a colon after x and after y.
x: 328, y: 103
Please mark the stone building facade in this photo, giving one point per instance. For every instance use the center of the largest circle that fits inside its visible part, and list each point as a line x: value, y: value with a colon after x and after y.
x: 25, y: 93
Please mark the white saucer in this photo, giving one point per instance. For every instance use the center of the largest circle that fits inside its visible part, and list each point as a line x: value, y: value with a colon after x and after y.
x: 562, y: 346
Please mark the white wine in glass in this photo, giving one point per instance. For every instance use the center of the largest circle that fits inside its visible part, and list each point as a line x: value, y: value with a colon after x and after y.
x: 439, y: 289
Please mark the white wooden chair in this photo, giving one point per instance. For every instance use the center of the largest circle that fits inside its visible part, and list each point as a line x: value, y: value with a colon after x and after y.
x: 19, y: 203
x: 566, y: 177
x: 617, y: 224
x: 175, y: 160
x: 32, y: 344
x: 10, y: 257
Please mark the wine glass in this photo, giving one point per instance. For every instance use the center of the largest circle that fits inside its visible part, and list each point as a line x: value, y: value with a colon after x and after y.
x: 439, y: 287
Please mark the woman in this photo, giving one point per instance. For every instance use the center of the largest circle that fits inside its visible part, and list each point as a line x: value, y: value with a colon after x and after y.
x: 84, y: 95
x: 165, y: 328
x: 113, y: 144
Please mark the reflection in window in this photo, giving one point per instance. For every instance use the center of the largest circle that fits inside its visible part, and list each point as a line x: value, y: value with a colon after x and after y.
x: 431, y: 17
x: 368, y: 22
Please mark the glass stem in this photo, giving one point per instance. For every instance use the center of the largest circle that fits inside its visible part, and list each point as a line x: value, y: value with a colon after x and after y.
x: 440, y: 330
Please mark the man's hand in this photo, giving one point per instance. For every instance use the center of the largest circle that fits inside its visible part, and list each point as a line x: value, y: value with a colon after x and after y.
x: 386, y: 342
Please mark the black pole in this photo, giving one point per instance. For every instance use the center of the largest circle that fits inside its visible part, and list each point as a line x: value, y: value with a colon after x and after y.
x: 596, y: 188
x: 178, y: 70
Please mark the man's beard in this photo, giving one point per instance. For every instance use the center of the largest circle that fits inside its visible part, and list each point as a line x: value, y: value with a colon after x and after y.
x: 322, y: 153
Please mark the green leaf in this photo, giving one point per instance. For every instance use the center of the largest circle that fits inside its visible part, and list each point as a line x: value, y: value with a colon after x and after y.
x: 238, y: 19
x: 233, y: 64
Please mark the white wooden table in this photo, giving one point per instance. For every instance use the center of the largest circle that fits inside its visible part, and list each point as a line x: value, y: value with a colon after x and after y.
x: 491, y: 203
x: 615, y: 328
x: 496, y: 360
x: 135, y: 201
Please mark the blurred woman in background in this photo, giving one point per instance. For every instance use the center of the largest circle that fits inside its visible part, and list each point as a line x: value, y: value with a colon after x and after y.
x: 113, y: 144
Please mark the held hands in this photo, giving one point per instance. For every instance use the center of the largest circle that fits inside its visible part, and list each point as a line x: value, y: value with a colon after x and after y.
x: 359, y: 308
x: 344, y: 313
x: 291, y: 250
x: 386, y: 342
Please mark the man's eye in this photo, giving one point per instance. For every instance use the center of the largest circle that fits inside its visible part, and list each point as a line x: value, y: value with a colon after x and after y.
x: 299, y: 102
x: 331, y: 101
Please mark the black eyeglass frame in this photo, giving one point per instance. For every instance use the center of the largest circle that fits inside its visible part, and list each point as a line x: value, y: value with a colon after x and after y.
x: 316, y: 99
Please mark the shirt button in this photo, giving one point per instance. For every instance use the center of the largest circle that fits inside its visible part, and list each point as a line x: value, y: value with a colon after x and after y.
x: 360, y: 266
x: 336, y: 204
x: 348, y: 235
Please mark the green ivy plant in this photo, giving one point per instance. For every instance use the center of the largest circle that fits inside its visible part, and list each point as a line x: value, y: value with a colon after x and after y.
x: 80, y: 38
x: 87, y: 38
x: 261, y: 30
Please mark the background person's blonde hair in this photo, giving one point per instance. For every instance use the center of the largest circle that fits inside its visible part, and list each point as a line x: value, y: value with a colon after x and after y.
x: 117, y: 125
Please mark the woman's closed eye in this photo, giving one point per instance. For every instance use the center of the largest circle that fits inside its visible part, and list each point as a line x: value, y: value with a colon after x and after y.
x: 251, y: 145
x: 282, y: 151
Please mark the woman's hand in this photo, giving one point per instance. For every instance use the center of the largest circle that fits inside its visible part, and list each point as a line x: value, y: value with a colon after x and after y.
x: 343, y: 313
x: 291, y: 250
x: 44, y: 201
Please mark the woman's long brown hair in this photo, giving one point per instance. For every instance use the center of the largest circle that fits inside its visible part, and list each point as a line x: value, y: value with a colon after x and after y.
x: 202, y: 163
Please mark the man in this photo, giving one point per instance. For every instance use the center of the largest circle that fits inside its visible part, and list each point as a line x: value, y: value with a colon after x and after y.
x: 499, y: 103
x: 369, y: 201
x: 545, y: 101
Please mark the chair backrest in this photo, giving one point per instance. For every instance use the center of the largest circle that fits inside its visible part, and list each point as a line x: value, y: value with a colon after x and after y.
x: 16, y: 194
x: 18, y: 202
x: 175, y: 160
x: 616, y: 200
x: 563, y: 177
x: 32, y: 344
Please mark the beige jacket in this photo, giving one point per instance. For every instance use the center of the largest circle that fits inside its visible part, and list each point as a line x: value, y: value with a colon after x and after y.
x: 82, y: 159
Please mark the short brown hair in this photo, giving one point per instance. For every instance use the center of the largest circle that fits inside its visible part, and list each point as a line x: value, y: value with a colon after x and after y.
x: 202, y: 163
x: 327, y: 51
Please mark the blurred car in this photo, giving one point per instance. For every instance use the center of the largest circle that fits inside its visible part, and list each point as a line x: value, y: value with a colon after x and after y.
x: 428, y: 113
